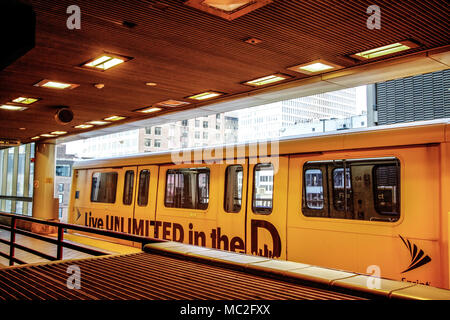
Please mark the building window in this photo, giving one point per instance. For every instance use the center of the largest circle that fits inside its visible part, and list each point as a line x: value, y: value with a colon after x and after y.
x: 187, y: 188
x: 148, y: 142
x: 60, y: 198
x: 60, y: 187
x: 184, y: 123
x: 144, y: 183
x: 157, y: 143
x: 314, y: 188
x: 63, y: 170
x: 148, y: 130
x: 233, y: 188
x: 128, y: 187
x: 157, y: 131
x: 263, y: 191
x: 205, y: 124
x: 205, y: 135
x: 197, y: 123
x: 103, y: 187
x: 197, y: 134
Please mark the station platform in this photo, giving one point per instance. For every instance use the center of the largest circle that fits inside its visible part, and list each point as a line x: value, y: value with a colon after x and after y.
x: 175, y: 271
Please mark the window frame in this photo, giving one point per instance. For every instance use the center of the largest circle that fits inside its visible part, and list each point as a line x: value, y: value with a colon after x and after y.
x: 125, y: 187
x: 138, y: 199
x: 116, y: 174
x: 262, y: 211
x: 225, y: 188
x: 199, y: 170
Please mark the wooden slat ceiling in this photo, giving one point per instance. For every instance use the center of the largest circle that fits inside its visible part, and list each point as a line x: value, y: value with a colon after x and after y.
x: 186, y: 51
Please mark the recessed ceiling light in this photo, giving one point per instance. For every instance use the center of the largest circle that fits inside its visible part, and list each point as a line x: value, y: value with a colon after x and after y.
x: 205, y: 95
x: 84, y: 126
x: 58, y: 132
x: 149, y: 110
x: 227, y: 9
x: 385, y: 50
x: 25, y: 100
x: 98, y: 123
x: 172, y: 103
x: 266, y: 80
x: 151, y: 84
x: 12, y: 108
x: 55, y: 85
x: 22, y: 128
x: 105, y: 62
x: 316, y: 67
x: 48, y: 135
x: 114, y: 118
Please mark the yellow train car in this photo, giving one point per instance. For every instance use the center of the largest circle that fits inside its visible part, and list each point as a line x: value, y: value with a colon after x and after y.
x: 372, y: 200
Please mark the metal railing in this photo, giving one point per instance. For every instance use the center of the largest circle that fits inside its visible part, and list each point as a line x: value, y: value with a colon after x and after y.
x: 59, y: 240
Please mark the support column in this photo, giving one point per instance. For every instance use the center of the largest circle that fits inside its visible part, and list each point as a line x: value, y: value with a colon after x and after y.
x: 44, y: 204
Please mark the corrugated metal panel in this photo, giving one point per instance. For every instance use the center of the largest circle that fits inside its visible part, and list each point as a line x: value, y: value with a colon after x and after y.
x: 422, y: 97
x: 150, y: 276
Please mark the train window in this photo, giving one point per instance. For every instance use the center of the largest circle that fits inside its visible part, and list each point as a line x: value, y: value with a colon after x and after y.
x: 360, y: 189
x: 386, y: 193
x: 187, y: 188
x: 342, y: 189
x: 128, y: 187
x: 233, y: 188
x: 263, y: 188
x: 144, y: 182
x: 103, y: 187
x: 314, y: 189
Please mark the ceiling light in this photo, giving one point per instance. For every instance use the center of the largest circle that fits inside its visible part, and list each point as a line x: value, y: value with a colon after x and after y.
x: 171, y: 103
x: 227, y: 9
x: 149, y: 110
x: 151, y: 84
x: 98, y: 123
x: 315, y: 67
x: 35, y: 138
x: 205, y: 95
x: 55, y: 85
x: 105, y: 62
x: 115, y: 118
x: 266, y: 80
x: 58, y: 133
x: 12, y: 108
x: 48, y: 135
x: 25, y: 100
x: 84, y: 126
x: 385, y: 50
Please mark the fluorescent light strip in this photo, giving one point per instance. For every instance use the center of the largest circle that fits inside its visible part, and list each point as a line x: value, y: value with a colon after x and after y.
x: 149, y: 110
x: 24, y: 100
x: 385, y: 50
x: 12, y: 108
x: 48, y: 135
x: 84, y: 126
x: 58, y: 133
x: 265, y: 80
x: 114, y: 118
x: 205, y: 95
x: 98, y: 123
x: 315, y: 67
x: 55, y: 85
x: 171, y: 103
x: 105, y: 62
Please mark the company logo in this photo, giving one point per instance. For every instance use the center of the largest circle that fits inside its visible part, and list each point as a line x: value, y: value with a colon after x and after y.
x: 418, y: 257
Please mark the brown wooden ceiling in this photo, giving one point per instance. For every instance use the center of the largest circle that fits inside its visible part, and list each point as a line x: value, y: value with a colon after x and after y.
x: 186, y: 51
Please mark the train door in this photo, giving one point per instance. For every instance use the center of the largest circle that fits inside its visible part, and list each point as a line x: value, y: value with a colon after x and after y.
x: 266, y: 207
x: 232, y: 205
x: 103, y: 198
x: 187, y: 204
x: 145, y: 200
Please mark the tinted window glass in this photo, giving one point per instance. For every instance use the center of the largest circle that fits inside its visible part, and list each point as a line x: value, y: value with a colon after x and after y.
x: 128, y: 187
x: 263, y: 188
x: 144, y: 182
x: 314, y: 188
x: 103, y: 188
x: 187, y: 188
x: 387, y: 189
x: 233, y: 188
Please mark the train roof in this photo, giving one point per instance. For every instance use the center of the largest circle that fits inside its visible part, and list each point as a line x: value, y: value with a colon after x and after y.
x: 422, y: 132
